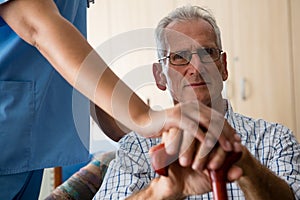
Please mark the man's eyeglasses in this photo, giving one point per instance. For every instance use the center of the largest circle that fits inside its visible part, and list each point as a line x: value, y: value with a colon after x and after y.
x: 206, y: 55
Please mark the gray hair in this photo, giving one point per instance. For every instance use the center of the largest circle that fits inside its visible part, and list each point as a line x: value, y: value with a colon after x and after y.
x: 184, y: 13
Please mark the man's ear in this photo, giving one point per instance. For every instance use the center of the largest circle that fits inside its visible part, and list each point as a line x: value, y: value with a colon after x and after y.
x: 224, y: 71
x: 159, y: 76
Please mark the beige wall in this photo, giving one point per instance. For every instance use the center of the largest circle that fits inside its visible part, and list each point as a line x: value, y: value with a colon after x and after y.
x: 295, y: 27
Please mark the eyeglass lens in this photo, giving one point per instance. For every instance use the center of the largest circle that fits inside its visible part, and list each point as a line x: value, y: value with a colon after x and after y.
x: 206, y: 55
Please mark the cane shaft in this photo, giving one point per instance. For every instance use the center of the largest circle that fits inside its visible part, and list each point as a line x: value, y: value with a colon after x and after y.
x: 219, y: 177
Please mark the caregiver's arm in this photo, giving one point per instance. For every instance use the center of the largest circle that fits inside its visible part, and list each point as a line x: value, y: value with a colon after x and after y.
x: 40, y: 24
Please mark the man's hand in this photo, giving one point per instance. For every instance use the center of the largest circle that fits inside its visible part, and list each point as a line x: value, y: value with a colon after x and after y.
x: 197, y: 154
x: 185, y: 181
x: 181, y: 182
x: 201, y: 125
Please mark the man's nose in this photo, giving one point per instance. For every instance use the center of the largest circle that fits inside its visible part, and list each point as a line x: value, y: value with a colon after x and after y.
x: 195, y: 65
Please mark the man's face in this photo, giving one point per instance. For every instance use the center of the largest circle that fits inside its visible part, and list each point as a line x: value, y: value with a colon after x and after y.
x: 197, y: 79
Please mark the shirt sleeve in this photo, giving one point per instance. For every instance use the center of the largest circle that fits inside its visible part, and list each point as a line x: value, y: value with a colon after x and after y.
x: 130, y: 171
x: 3, y: 1
x: 286, y: 160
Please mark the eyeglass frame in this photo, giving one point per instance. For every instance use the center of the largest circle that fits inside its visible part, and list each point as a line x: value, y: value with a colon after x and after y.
x: 191, y: 56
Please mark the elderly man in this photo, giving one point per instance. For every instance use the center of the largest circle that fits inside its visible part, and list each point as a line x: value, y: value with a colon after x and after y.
x: 193, y: 66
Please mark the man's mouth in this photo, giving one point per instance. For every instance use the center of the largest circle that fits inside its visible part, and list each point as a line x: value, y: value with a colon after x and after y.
x: 198, y: 84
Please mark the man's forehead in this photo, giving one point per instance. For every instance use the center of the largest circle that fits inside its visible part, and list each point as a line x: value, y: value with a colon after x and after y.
x: 186, y: 43
x: 176, y: 40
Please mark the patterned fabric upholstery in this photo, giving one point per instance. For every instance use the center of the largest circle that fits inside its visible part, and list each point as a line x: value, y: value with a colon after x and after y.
x: 85, y: 183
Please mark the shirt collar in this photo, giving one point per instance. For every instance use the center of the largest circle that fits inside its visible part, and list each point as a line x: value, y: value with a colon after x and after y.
x: 229, y: 115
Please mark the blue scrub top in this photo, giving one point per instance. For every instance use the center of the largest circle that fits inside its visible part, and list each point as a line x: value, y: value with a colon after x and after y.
x: 44, y: 122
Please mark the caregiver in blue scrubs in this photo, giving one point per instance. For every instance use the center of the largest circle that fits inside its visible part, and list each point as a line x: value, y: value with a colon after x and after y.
x: 44, y: 122
x: 37, y: 128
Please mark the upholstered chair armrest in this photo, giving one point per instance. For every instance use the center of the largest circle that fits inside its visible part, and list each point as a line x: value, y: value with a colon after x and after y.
x: 85, y: 183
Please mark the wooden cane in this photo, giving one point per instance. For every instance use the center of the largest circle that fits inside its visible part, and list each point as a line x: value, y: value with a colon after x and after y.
x: 219, y: 177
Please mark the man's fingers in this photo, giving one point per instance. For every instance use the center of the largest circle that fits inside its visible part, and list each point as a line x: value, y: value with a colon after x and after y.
x: 234, y: 173
x: 192, y: 128
x: 208, y: 156
x: 172, y: 140
x: 187, y: 149
x: 209, y: 120
x: 229, y: 137
x: 217, y: 159
x: 200, y: 159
